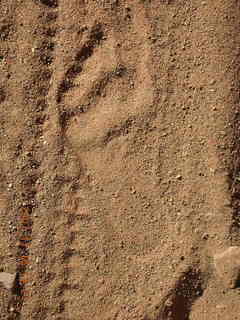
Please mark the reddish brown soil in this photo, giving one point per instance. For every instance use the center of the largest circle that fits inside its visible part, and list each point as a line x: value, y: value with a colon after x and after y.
x: 119, y: 162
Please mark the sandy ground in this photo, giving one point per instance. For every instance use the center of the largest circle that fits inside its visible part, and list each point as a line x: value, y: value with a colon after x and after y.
x: 119, y: 162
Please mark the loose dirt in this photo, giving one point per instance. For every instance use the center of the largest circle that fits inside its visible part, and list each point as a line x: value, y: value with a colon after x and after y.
x: 119, y: 162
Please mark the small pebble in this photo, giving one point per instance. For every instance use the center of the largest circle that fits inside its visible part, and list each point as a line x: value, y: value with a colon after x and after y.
x: 205, y: 236
x: 7, y: 279
x: 227, y: 265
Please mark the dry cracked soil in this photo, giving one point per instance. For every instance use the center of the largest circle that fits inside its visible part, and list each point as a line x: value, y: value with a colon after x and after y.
x: 119, y: 159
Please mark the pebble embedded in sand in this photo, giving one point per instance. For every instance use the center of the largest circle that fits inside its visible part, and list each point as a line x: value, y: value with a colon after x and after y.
x: 179, y: 177
x: 227, y: 264
x: 7, y: 280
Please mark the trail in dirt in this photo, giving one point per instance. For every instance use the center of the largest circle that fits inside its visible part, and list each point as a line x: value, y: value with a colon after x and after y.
x: 25, y: 63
